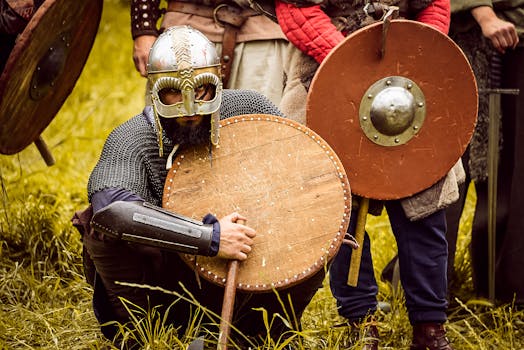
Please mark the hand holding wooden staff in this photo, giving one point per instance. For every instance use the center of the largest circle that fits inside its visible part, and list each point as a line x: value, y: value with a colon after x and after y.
x: 246, y: 240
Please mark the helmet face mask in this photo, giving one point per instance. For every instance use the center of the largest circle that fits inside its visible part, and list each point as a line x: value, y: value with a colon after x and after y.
x: 184, y: 61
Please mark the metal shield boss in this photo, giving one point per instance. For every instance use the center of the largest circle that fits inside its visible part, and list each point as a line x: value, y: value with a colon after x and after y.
x: 398, y: 104
x: 43, y: 67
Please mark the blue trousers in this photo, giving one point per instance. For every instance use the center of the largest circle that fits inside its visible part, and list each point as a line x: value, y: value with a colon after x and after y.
x: 422, y: 253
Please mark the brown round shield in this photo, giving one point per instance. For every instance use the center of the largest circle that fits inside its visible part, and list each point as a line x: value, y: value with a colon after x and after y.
x: 43, y: 68
x: 285, y: 180
x: 398, y: 121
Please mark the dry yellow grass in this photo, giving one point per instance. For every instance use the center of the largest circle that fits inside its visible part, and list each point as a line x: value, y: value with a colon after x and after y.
x: 44, y: 300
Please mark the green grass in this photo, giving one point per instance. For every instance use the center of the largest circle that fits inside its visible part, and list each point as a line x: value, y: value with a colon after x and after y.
x: 45, y: 302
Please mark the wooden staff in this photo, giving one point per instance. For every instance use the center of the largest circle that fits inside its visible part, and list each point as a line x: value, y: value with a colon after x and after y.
x: 356, y: 254
x: 44, y: 151
x: 228, y: 302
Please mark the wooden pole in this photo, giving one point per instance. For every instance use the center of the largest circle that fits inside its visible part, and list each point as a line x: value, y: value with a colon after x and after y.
x: 228, y: 302
x: 356, y: 254
x: 44, y: 151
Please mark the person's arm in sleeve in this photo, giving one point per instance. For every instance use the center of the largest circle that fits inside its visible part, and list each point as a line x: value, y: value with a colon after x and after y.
x: 308, y: 28
x: 144, y: 16
x: 437, y: 15
x: 502, y: 34
x: 227, y: 240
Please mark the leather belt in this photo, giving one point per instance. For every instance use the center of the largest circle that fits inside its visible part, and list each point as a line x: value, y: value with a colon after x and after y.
x: 226, y: 15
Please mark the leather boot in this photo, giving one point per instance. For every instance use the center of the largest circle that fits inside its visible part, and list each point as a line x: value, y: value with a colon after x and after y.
x: 365, y: 335
x: 429, y: 336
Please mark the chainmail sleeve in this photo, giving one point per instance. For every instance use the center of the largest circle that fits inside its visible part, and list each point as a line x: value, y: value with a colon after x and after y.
x: 130, y: 161
x: 238, y: 102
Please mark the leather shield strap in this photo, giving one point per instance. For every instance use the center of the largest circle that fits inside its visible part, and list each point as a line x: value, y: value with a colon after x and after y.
x: 228, y: 16
x: 229, y: 40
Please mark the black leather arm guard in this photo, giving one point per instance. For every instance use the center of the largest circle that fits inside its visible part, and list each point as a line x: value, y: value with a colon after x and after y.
x: 144, y: 223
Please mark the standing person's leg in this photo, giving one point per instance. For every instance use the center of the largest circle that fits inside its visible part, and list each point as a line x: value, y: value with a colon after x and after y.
x: 510, y: 255
x: 422, y: 249
x: 453, y: 215
x: 354, y: 303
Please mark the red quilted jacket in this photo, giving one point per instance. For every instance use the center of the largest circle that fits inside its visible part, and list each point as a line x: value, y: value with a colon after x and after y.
x: 311, y: 30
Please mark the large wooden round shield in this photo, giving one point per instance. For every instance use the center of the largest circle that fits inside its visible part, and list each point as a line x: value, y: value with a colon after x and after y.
x: 285, y: 179
x: 43, y: 67
x: 398, y: 121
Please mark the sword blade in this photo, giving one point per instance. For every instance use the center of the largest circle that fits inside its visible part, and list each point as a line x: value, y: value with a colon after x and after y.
x: 493, y: 160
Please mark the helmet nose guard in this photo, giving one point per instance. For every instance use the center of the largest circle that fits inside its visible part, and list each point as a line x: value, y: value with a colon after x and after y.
x: 183, y: 59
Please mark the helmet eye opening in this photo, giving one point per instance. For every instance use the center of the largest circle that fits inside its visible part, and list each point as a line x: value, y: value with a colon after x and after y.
x: 205, y: 92
x: 170, y: 96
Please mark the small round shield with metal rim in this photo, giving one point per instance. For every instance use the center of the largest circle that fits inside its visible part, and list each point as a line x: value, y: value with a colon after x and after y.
x: 285, y: 179
x: 43, y: 67
x: 399, y: 116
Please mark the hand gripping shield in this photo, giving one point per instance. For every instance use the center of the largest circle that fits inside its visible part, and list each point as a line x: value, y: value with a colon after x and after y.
x: 43, y: 67
x: 398, y: 104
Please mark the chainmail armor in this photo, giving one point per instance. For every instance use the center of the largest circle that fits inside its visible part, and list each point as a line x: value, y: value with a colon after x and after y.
x: 238, y: 102
x: 130, y: 159
x: 478, y: 50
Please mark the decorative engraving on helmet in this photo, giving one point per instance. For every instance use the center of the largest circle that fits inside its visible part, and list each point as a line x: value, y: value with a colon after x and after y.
x: 392, y: 111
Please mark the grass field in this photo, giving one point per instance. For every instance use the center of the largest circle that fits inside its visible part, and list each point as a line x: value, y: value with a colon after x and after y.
x: 45, y: 302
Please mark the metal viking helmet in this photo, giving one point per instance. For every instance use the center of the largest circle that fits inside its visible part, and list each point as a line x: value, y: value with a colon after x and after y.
x: 182, y: 58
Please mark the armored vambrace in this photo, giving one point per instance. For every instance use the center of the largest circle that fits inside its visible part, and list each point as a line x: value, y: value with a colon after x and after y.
x: 144, y: 223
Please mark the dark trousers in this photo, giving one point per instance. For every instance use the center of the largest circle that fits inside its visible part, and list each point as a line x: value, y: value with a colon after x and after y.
x: 422, y: 251
x: 119, y: 261
x: 453, y: 214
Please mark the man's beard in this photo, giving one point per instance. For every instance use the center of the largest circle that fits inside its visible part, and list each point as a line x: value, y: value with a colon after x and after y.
x: 187, y: 135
